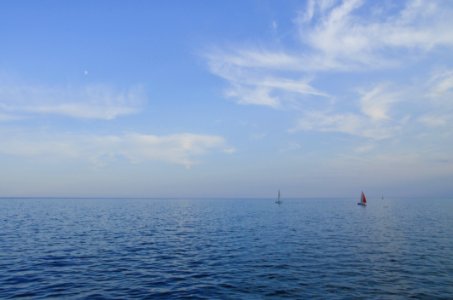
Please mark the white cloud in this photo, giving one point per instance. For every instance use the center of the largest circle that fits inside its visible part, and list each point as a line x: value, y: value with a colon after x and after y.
x: 371, y: 118
x: 254, y: 78
x: 291, y: 147
x: 8, y: 117
x: 433, y: 120
x: 347, y: 123
x: 181, y: 149
x: 274, y: 26
x: 376, y: 102
x: 252, y: 95
x: 347, y: 37
x: 437, y: 96
x: 222, y: 62
x: 350, y: 37
x: 366, y: 148
x: 441, y: 84
x: 87, y: 102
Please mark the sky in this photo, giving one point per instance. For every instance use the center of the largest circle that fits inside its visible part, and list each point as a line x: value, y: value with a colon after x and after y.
x: 226, y: 98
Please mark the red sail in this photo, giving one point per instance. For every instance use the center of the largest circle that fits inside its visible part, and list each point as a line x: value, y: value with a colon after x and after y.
x: 363, y: 198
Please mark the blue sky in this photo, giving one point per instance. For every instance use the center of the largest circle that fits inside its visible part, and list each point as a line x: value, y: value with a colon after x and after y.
x: 226, y: 98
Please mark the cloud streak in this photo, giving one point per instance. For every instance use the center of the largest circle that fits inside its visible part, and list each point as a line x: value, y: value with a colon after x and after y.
x: 349, y: 35
x: 86, y: 102
x: 347, y: 123
x: 254, y: 78
x: 371, y: 119
x: 180, y: 149
x: 347, y: 38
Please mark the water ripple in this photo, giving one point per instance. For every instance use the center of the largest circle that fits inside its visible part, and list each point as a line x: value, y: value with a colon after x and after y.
x: 225, y: 249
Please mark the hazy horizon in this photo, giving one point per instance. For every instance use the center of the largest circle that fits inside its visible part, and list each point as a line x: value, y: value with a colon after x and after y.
x: 226, y: 99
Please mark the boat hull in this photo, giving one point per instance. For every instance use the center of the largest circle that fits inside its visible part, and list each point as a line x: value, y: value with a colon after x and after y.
x: 363, y: 204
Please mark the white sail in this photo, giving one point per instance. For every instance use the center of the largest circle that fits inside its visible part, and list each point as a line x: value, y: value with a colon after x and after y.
x: 278, y: 198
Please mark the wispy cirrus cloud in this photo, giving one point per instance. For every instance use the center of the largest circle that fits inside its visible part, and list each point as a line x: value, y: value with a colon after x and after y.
x: 236, y: 58
x: 178, y: 148
x: 86, y: 102
x: 355, y: 34
x: 434, y: 120
x: 376, y: 102
x: 254, y: 78
x: 347, y: 123
x: 410, y: 115
x: 437, y: 96
x: 8, y: 117
x: 440, y: 84
x: 348, y: 37
x: 181, y: 149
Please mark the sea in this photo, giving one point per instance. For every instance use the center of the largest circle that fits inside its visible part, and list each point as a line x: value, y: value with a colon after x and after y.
x: 61, y: 248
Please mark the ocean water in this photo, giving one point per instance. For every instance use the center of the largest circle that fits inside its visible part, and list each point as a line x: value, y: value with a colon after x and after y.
x: 226, y: 249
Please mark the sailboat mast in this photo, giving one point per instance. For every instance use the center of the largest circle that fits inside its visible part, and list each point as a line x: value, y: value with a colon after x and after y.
x: 278, y: 201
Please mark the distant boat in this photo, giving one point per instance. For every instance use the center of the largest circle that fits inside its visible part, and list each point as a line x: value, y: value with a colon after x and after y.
x: 382, y: 197
x: 362, y: 200
x: 278, y: 201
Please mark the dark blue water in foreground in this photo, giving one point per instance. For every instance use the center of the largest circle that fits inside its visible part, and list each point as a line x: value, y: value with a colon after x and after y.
x: 226, y: 249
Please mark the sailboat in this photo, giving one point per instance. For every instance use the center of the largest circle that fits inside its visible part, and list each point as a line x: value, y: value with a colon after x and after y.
x: 278, y: 201
x: 362, y: 200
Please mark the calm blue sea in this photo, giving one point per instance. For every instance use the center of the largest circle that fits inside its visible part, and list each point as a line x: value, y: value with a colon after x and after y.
x: 226, y: 249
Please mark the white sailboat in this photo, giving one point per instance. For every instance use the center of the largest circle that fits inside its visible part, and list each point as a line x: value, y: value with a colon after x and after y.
x: 278, y: 201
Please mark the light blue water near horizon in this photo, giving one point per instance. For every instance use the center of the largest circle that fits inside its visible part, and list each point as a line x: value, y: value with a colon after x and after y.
x: 226, y: 249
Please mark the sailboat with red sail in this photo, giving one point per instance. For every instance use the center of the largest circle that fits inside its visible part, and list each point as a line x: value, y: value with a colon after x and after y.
x: 362, y: 200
